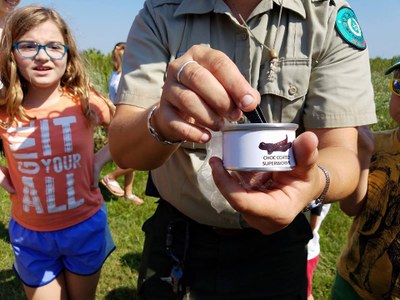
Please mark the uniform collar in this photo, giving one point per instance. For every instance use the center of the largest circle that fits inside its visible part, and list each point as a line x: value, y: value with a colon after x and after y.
x: 219, y: 6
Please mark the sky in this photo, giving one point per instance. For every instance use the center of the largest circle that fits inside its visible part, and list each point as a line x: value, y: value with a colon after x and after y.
x: 100, y: 24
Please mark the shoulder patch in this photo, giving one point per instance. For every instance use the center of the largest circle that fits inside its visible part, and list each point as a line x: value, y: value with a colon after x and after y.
x: 349, y: 29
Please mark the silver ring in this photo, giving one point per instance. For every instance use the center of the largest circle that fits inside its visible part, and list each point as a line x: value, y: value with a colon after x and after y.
x: 178, y: 74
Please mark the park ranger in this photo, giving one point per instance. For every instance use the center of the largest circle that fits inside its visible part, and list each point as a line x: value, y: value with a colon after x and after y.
x: 190, y: 67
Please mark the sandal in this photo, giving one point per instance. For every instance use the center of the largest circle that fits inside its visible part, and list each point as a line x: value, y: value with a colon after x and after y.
x: 113, y: 186
x: 134, y: 198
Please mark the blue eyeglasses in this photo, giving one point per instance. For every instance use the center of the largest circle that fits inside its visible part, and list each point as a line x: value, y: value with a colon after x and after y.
x: 31, y: 49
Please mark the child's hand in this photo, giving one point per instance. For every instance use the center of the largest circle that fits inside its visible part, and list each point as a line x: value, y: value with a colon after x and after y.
x: 5, y: 180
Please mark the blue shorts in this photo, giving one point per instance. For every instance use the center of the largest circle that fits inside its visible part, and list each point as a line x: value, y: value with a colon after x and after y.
x: 81, y: 249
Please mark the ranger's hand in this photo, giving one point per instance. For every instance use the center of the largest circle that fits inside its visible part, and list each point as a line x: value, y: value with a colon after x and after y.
x: 274, y: 208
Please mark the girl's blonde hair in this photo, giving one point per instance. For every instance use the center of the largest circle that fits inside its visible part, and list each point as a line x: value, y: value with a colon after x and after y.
x: 75, y: 82
x: 116, y: 57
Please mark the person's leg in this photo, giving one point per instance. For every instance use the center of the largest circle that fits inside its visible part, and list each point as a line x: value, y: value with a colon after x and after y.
x: 67, y: 286
x: 128, y: 182
x: 111, y: 183
x: 87, y: 246
x: 128, y: 187
x: 118, y: 172
x: 311, y: 266
x: 54, y: 290
x: 36, y: 263
x: 81, y: 287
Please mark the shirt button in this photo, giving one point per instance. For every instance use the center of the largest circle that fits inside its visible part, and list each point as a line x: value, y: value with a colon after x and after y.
x: 292, y: 90
x: 244, y: 36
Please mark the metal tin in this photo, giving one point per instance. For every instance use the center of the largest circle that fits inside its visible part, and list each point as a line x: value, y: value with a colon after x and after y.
x: 259, y: 146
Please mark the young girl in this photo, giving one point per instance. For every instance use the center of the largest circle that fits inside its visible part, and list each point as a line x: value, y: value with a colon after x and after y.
x: 110, y: 180
x: 58, y: 227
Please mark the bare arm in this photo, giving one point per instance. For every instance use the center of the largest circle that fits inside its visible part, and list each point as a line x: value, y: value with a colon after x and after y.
x: 352, y: 204
x: 338, y: 154
x: 131, y: 144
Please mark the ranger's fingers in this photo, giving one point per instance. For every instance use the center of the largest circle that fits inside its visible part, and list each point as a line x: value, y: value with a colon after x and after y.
x: 221, y: 68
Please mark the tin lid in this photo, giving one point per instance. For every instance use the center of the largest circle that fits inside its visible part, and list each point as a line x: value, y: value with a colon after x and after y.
x: 260, y: 126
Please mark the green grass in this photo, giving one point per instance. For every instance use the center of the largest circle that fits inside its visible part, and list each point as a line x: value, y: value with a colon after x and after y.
x: 333, y: 233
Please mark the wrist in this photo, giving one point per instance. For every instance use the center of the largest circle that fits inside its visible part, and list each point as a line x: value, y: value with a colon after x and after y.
x: 152, y: 129
x: 320, y: 200
x: 322, y: 196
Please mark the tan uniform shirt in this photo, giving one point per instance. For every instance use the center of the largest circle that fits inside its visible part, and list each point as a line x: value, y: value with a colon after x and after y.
x: 319, y: 81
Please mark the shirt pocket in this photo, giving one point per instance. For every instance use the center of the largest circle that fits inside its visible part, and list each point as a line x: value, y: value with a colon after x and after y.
x: 288, y: 78
x: 283, y: 87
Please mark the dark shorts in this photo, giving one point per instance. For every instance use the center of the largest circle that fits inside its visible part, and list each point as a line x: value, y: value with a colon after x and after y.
x: 218, y: 264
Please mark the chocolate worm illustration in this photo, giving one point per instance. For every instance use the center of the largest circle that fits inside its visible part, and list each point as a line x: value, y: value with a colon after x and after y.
x: 281, y: 146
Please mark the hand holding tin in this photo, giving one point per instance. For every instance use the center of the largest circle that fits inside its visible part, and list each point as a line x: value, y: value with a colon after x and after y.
x: 287, y: 193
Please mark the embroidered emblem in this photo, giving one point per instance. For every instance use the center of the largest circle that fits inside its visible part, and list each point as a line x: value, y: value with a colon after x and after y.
x: 349, y: 29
